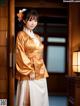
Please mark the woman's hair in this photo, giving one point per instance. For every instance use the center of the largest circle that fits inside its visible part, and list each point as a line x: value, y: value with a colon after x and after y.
x: 32, y: 15
x: 26, y: 15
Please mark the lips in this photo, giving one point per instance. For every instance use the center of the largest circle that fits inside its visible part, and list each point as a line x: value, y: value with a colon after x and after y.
x: 31, y: 26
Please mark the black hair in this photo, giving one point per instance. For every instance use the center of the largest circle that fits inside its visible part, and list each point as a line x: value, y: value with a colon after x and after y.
x: 32, y: 13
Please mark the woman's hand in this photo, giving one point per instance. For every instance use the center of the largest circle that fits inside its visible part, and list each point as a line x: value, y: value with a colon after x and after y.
x: 32, y: 75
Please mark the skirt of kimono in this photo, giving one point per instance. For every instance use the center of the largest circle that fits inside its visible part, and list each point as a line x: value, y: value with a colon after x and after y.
x: 32, y: 93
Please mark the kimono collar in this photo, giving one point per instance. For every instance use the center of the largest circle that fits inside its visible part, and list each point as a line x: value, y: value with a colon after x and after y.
x: 30, y: 33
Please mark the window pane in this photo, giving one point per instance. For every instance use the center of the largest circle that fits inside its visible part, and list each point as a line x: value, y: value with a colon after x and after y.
x: 75, y: 62
x: 78, y: 68
x: 58, y: 40
x: 56, y: 59
x: 78, y: 58
x: 75, y: 68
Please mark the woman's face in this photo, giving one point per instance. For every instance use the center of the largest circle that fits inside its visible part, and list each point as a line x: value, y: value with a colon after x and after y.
x: 31, y: 23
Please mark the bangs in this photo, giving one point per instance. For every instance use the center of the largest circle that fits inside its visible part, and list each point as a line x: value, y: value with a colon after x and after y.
x: 32, y: 17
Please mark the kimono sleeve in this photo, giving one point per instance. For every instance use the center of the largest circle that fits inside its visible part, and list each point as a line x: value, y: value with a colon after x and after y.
x: 23, y: 63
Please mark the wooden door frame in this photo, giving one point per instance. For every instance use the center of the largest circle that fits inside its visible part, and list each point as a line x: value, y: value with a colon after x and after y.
x: 11, y: 52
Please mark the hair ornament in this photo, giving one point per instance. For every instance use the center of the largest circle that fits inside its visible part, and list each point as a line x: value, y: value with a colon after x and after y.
x: 23, y: 10
x: 20, y: 14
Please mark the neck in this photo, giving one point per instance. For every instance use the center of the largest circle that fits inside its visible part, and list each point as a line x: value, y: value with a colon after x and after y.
x: 28, y: 29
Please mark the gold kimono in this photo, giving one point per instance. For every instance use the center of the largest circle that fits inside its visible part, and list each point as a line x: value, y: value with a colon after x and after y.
x: 29, y: 57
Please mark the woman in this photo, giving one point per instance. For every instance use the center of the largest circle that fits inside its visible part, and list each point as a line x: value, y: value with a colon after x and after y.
x: 31, y: 72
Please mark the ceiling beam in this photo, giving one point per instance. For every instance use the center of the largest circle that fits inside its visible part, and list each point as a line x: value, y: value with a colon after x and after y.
x: 41, y: 4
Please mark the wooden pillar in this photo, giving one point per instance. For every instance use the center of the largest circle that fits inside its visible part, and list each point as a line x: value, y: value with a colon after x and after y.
x: 11, y: 53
